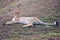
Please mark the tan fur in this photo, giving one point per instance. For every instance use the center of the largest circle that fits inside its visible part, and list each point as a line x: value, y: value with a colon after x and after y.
x: 28, y: 21
x: 17, y: 12
x: 28, y: 25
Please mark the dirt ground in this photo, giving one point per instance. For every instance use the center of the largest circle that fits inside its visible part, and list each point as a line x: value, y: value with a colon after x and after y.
x: 16, y: 32
x: 35, y: 8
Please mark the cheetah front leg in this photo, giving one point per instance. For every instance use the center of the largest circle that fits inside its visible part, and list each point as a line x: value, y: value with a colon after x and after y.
x: 28, y: 25
x: 8, y: 22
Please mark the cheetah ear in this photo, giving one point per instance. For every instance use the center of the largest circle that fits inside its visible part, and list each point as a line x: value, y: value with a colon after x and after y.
x: 17, y: 12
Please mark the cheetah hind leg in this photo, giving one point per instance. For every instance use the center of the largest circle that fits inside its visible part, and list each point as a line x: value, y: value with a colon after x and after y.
x: 28, y: 25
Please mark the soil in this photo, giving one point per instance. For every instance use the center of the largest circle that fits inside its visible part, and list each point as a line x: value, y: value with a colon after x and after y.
x: 30, y: 8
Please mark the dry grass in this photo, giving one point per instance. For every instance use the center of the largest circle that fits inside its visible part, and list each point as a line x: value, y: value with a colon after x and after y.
x: 38, y: 32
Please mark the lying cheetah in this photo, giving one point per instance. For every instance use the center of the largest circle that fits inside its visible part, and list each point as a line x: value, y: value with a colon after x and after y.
x: 28, y: 21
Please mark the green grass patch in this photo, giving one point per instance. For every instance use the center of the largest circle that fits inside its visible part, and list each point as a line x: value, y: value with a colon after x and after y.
x: 15, y: 38
x: 50, y: 34
x: 48, y: 19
